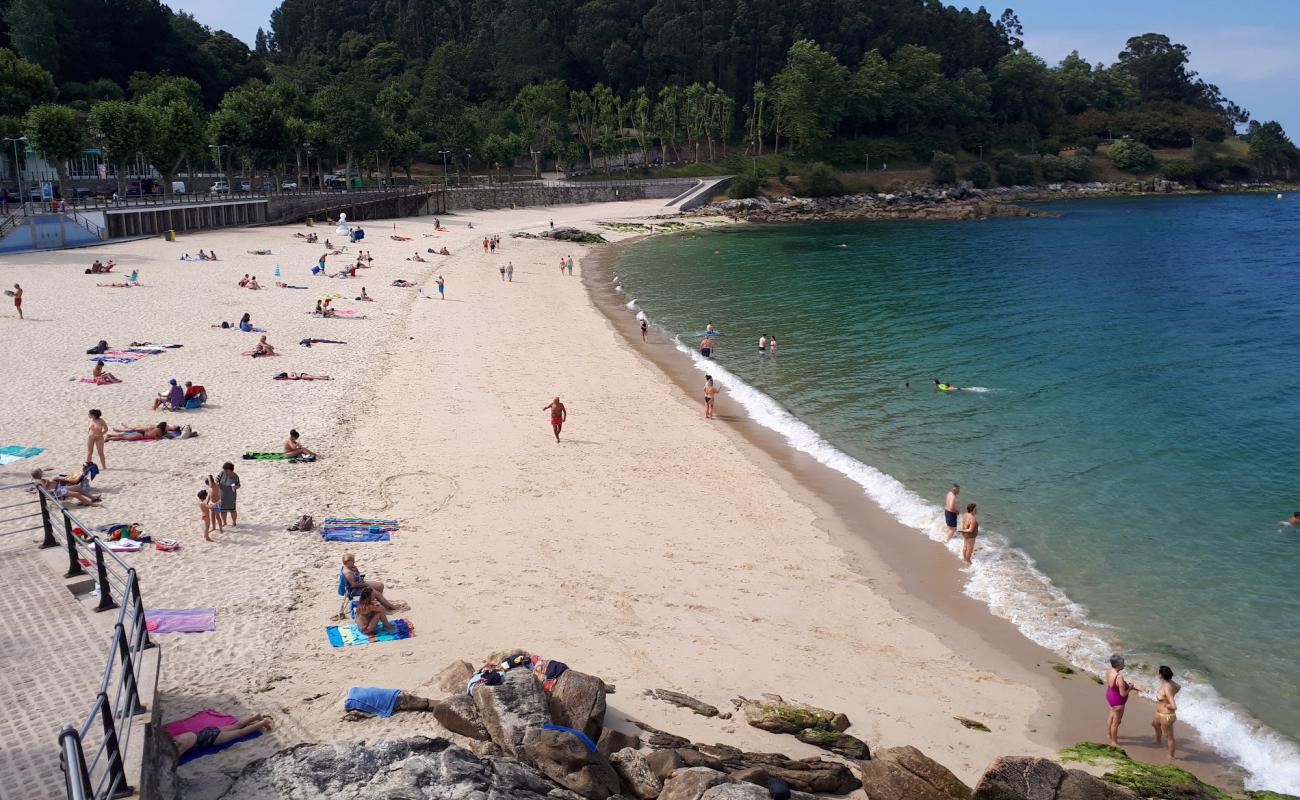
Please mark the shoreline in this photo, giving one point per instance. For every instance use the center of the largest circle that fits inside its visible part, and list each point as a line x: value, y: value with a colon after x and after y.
x: 924, y: 583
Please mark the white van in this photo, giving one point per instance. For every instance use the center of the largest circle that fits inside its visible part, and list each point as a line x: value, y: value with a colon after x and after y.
x: 178, y: 187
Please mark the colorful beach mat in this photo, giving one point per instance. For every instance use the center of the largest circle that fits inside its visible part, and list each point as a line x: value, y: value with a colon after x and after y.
x: 180, y: 620
x: 16, y: 452
x: 358, y: 529
x: 349, y: 635
x: 253, y: 455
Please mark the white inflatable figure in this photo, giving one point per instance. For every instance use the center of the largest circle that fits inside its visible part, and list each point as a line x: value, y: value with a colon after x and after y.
x: 344, y: 229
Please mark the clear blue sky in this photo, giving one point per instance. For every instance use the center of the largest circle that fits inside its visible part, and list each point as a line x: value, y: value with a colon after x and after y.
x: 1248, y: 47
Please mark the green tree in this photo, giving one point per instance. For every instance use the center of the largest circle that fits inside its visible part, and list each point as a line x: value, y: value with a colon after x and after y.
x: 584, y: 113
x: 34, y: 30
x: 1013, y: 170
x: 811, y: 93
x: 943, y: 168
x: 668, y: 120
x: 980, y: 175
x: 1132, y: 156
x: 23, y: 83
x: 1159, y: 68
x: 874, y: 91
x: 353, y: 125
x: 179, y: 131
x: 1271, y: 150
x: 123, y: 131
x: 541, y: 109
x: 819, y: 180
x: 1023, y: 90
x: 56, y: 132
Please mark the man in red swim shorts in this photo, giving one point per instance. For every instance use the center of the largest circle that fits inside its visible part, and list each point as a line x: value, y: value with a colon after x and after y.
x: 17, y: 294
x: 559, y: 414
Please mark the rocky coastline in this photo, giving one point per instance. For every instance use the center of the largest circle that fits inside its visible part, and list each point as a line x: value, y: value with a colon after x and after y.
x: 532, y: 728
x: 956, y: 203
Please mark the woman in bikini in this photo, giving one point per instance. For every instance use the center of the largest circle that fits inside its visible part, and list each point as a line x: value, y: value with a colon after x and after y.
x: 1166, y: 709
x: 95, y: 436
x: 970, y: 528
x: 370, y: 612
x: 1117, y: 692
x: 212, y: 736
x: 710, y: 392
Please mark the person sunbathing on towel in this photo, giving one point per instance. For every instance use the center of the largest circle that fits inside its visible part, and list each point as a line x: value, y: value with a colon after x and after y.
x: 417, y: 257
x: 263, y: 348
x: 139, y: 432
x: 358, y: 583
x: 213, y: 736
x: 370, y: 612
x: 174, y: 399
x: 65, y: 488
x: 301, y: 376
x: 114, y: 285
x: 293, y: 449
x: 402, y: 283
x: 98, y: 375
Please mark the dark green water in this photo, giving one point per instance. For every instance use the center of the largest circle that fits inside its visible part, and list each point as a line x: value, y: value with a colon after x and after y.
x: 1130, y: 400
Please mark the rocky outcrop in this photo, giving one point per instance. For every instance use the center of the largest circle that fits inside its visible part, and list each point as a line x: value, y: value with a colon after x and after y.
x: 841, y: 744
x: 578, y: 701
x: 509, y: 709
x: 612, y: 740
x: 637, y: 774
x: 955, y: 203
x: 1023, y: 778
x: 691, y: 783
x: 454, y: 677
x: 736, y: 791
x: 458, y: 714
x: 814, y: 776
x: 905, y: 773
x: 809, y: 724
x: 565, y: 759
x: 684, y: 700
x: 664, y: 763
x: 414, y: 767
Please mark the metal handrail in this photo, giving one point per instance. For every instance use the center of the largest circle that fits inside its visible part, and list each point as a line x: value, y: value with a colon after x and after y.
x: 201, y: 198
x: 117, y: 704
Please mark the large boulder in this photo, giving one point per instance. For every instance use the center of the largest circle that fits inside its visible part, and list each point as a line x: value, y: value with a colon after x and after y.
x: 417, y: 766
x: 565, y: 759
x: 578, y: 701
x: 509, y: 709
x: 454, y: 678
x: 458, y: 714
x: 665, y: 763
x: 1025, y: 778
x: 691, y: 783
x: 612, y: 740
x: 772, y: 713
x: 814, y: 777
x: 737, y: 791
x: 637, y: 774
x: 838, y: 743
x: 905, y: 773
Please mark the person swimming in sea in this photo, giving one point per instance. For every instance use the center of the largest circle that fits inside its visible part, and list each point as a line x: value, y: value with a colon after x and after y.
x: 1294, y: 521
x: 945, y: 387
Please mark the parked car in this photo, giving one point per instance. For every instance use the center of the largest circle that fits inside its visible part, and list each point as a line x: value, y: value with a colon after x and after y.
x: 220, y: 187
x: 245, y: 186
x: 178, y: 187
x: 288, y: 185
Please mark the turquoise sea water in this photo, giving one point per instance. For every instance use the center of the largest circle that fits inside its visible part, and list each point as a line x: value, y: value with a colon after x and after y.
x: 1128, y: 430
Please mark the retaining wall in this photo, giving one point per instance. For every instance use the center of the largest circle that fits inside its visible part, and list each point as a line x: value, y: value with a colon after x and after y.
x: 533, y: 195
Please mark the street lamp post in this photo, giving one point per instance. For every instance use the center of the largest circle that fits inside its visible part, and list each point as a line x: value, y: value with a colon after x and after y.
x: 469, y: 167
x: 18, y: 174
x: 444, y: 153
x: 225, y: 176
x: 537, y: 165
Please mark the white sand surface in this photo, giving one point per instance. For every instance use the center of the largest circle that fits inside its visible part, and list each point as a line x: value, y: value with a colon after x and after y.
x: 615, y: 551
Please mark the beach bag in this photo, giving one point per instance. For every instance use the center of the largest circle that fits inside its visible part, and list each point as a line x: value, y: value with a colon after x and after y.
x: 167, y: 545
x: 304, y: 523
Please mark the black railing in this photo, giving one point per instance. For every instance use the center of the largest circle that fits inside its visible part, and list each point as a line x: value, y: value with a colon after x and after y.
x: 108, y: 726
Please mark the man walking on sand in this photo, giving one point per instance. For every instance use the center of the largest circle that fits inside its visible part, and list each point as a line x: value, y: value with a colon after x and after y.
x: 950, y: 511
x: 558, y: 416
x: 17, y: 294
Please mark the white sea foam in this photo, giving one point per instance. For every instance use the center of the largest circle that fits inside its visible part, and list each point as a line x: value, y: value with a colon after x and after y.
x: 1007, y: 580
x: 618, y: 289
x: 631, y: 305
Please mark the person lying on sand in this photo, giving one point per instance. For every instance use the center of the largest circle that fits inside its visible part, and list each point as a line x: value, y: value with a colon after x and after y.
x: 157, y: 431
x: 370, y: 612
x: 417, y: 257
x: 402, y: 283
x: 116, y: 285
x: 174, y: 399
x: 397, y: 238
x: 260, y: 252
x: 358, y: 583
x: 301, y: 376
x: 213, y: 736
x: 294, y: 449
x: 64, y: 488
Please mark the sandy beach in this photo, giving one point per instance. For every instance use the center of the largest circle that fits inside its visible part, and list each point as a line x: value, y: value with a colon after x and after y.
x: 650, y: 546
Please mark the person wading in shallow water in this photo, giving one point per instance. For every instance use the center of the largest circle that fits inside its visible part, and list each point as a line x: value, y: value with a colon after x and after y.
x: 1166, y: 709
x: 970, y: 528
x: 950, y: 509
x: 559, y: 414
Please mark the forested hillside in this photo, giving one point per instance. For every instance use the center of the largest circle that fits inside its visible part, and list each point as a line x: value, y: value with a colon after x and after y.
x: 605, y: 83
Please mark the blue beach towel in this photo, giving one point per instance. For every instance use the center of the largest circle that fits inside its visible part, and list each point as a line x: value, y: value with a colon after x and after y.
x: 379, y: 702
x: 114, y: 359
x: 351, y: 635
x: 353, y: 535
x: 190, y: 755
x: 16, y: 452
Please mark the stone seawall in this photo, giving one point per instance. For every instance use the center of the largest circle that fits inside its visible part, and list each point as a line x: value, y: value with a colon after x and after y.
x: 533, y: 195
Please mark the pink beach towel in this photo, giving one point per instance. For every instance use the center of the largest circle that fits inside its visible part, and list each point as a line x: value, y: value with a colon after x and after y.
x: 180, y: 620
x: 193, y: 724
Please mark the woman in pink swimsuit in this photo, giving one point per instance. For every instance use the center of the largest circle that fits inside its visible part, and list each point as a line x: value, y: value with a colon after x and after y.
x: 1117, y: 692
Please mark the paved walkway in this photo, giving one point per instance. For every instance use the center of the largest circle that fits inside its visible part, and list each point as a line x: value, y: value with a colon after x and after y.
x: 52, y: 658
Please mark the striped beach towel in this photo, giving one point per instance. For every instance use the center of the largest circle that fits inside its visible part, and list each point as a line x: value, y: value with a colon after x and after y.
x: 350, y: 635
